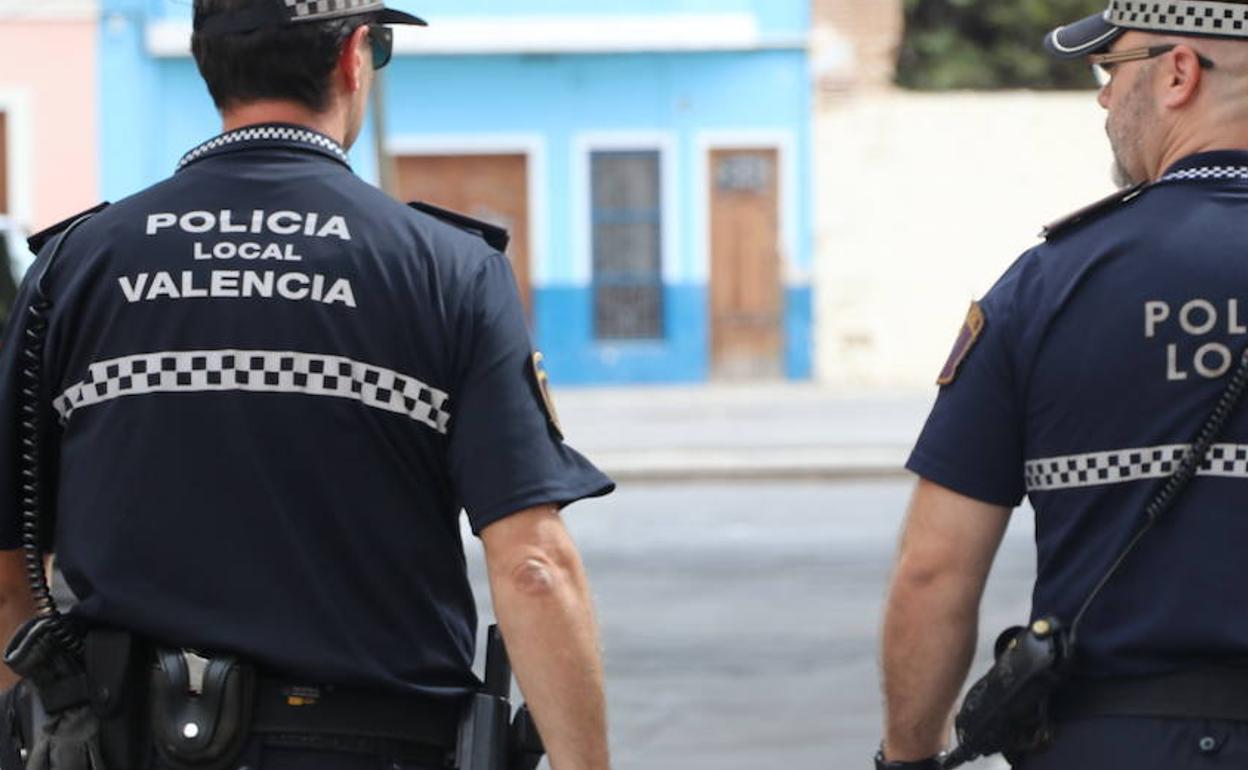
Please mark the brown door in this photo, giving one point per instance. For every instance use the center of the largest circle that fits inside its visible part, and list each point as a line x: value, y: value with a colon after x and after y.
x: 4, y: 164
x: 492, y: 188
x: 747, y: 304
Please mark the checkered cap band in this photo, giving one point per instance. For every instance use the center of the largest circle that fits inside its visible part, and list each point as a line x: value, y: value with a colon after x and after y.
x: 266, y: 134
x: 1125, y: 465
x: 312, y: 10
x: 1188, y: 17
x: 257, y: 371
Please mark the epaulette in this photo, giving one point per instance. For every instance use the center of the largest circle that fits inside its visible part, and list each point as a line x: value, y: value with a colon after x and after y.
x: 497, y: 237
x: 37, y: 241
x: 1088, y: 213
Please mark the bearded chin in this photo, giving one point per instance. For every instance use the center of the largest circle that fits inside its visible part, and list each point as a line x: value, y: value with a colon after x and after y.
x: 1122, y: 178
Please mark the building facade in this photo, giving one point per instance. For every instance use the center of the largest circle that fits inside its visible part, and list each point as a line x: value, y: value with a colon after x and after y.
x: 925, y: 199
x: 651, y: 158
x: 49, y: 148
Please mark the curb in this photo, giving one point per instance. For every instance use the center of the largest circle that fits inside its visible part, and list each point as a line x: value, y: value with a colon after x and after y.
x: 754, y: 464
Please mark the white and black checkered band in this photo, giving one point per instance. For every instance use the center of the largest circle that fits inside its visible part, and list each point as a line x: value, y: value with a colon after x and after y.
x: 257, y: 371
x: 268, y: 135
x: 1120, y: 466
x: 1205, y: 173
x: 1185, y: 17
x: 315, y: 10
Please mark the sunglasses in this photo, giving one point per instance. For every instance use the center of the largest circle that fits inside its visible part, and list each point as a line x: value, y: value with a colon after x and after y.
x: 381, y: 40
x: 1103, y: 64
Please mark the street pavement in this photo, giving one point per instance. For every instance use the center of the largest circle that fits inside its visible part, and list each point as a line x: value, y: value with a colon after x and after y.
x: 719, y: 432
x: 740, y: 619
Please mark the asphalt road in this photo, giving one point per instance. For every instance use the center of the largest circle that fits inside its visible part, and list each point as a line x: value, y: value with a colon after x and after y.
x: 740, y: 620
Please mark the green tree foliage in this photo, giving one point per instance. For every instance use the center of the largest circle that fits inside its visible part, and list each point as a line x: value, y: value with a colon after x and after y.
x: 989, y: 44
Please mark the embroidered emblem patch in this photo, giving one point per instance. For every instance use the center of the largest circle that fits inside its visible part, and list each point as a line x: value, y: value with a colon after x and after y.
x: 972, y: 327
x: 542, y: 380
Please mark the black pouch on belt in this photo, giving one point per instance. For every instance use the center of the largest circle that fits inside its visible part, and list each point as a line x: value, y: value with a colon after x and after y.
x: 200, y: 709
x: 117, y: 674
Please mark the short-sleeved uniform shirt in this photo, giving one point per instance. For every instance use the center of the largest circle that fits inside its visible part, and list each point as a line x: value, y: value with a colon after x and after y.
x: 1099, y: 356
x: 274, y: 389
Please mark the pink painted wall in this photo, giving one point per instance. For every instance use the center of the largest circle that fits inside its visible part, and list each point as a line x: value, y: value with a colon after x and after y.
x: 53, y: 63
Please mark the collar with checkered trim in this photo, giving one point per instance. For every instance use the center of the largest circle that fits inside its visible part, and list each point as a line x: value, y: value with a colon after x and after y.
x: 1208, y: 166
x: 284, y: 136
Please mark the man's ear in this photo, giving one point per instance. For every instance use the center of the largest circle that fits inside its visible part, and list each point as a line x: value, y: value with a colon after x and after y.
x: 1182, y: 77
x: 354, y: 58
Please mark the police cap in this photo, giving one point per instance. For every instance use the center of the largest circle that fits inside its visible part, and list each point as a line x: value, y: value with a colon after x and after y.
x: 1097, y: 33
x: 262, y: 14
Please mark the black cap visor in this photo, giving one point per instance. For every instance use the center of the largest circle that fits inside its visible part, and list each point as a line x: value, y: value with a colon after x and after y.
x: 1087, y: 36
x: 391, y: 16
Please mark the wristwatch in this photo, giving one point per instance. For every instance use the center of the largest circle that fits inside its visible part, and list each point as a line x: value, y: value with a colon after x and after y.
x: 931, y: 763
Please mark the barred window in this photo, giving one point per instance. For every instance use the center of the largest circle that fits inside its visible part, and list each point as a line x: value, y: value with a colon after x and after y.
x: 627, y: 244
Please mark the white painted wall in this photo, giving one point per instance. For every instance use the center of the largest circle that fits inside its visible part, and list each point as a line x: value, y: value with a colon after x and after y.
x: 923, y: 201
x: 30, y: 10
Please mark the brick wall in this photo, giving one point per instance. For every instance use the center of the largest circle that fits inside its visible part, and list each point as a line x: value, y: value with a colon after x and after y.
x: 856, y: 43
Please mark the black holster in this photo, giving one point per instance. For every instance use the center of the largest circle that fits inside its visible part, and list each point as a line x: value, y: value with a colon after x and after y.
x: 1008, y: 709
x: 489, y: 737
x: 79, y: 704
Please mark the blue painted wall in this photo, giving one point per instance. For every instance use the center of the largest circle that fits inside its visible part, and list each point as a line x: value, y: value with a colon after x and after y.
x: 155, y: 110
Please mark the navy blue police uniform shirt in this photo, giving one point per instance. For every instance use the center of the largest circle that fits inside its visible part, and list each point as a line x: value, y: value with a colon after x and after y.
x: 1081, y: 377
x: 276, y: 388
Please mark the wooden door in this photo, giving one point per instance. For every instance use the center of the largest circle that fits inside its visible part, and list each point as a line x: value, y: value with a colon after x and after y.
x: 492, y: 188
x: 4, y: 164
x: 747, y: 303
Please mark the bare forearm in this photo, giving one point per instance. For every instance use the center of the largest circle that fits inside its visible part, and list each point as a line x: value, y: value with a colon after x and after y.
x: 547, y: 619
x: 929, y: 641
x: 932, y: 617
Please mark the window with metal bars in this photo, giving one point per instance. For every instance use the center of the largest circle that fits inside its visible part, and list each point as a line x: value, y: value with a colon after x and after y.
x: 627, y: 221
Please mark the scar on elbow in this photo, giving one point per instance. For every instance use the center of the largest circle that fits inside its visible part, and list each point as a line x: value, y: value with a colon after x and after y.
x: 535, y: 575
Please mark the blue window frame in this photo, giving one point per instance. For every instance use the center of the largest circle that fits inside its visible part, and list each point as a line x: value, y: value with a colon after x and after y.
x: 627, y: 221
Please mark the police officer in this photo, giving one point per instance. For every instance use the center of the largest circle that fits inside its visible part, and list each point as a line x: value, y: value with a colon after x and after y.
x: 1078, y: 381
x: 273, y: 388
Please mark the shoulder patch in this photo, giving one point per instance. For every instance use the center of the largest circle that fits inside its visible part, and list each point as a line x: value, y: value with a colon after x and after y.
x: 972, y: 328
x: 1093, y: 211
x: 40, y: 239
x: 497, y: 237
x: 537, y: 369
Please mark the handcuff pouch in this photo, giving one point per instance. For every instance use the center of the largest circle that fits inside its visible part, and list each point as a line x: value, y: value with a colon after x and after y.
x: 200, y: 725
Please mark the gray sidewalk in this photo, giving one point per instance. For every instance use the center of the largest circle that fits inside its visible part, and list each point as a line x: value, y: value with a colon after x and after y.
x: 726, y: 432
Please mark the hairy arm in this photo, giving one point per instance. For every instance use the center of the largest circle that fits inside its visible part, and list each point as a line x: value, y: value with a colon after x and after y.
x: 541, y: 598
x: 932, y: 616
x: 16, y: 604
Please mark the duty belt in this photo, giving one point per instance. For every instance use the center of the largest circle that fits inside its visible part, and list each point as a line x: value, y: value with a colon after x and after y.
x: 1220, y: 694
x: 405, y: 728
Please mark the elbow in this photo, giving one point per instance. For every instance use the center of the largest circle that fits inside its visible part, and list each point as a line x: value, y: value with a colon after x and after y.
x: 928, y: 580
x: 541, y: 572
x: 926, y: 571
